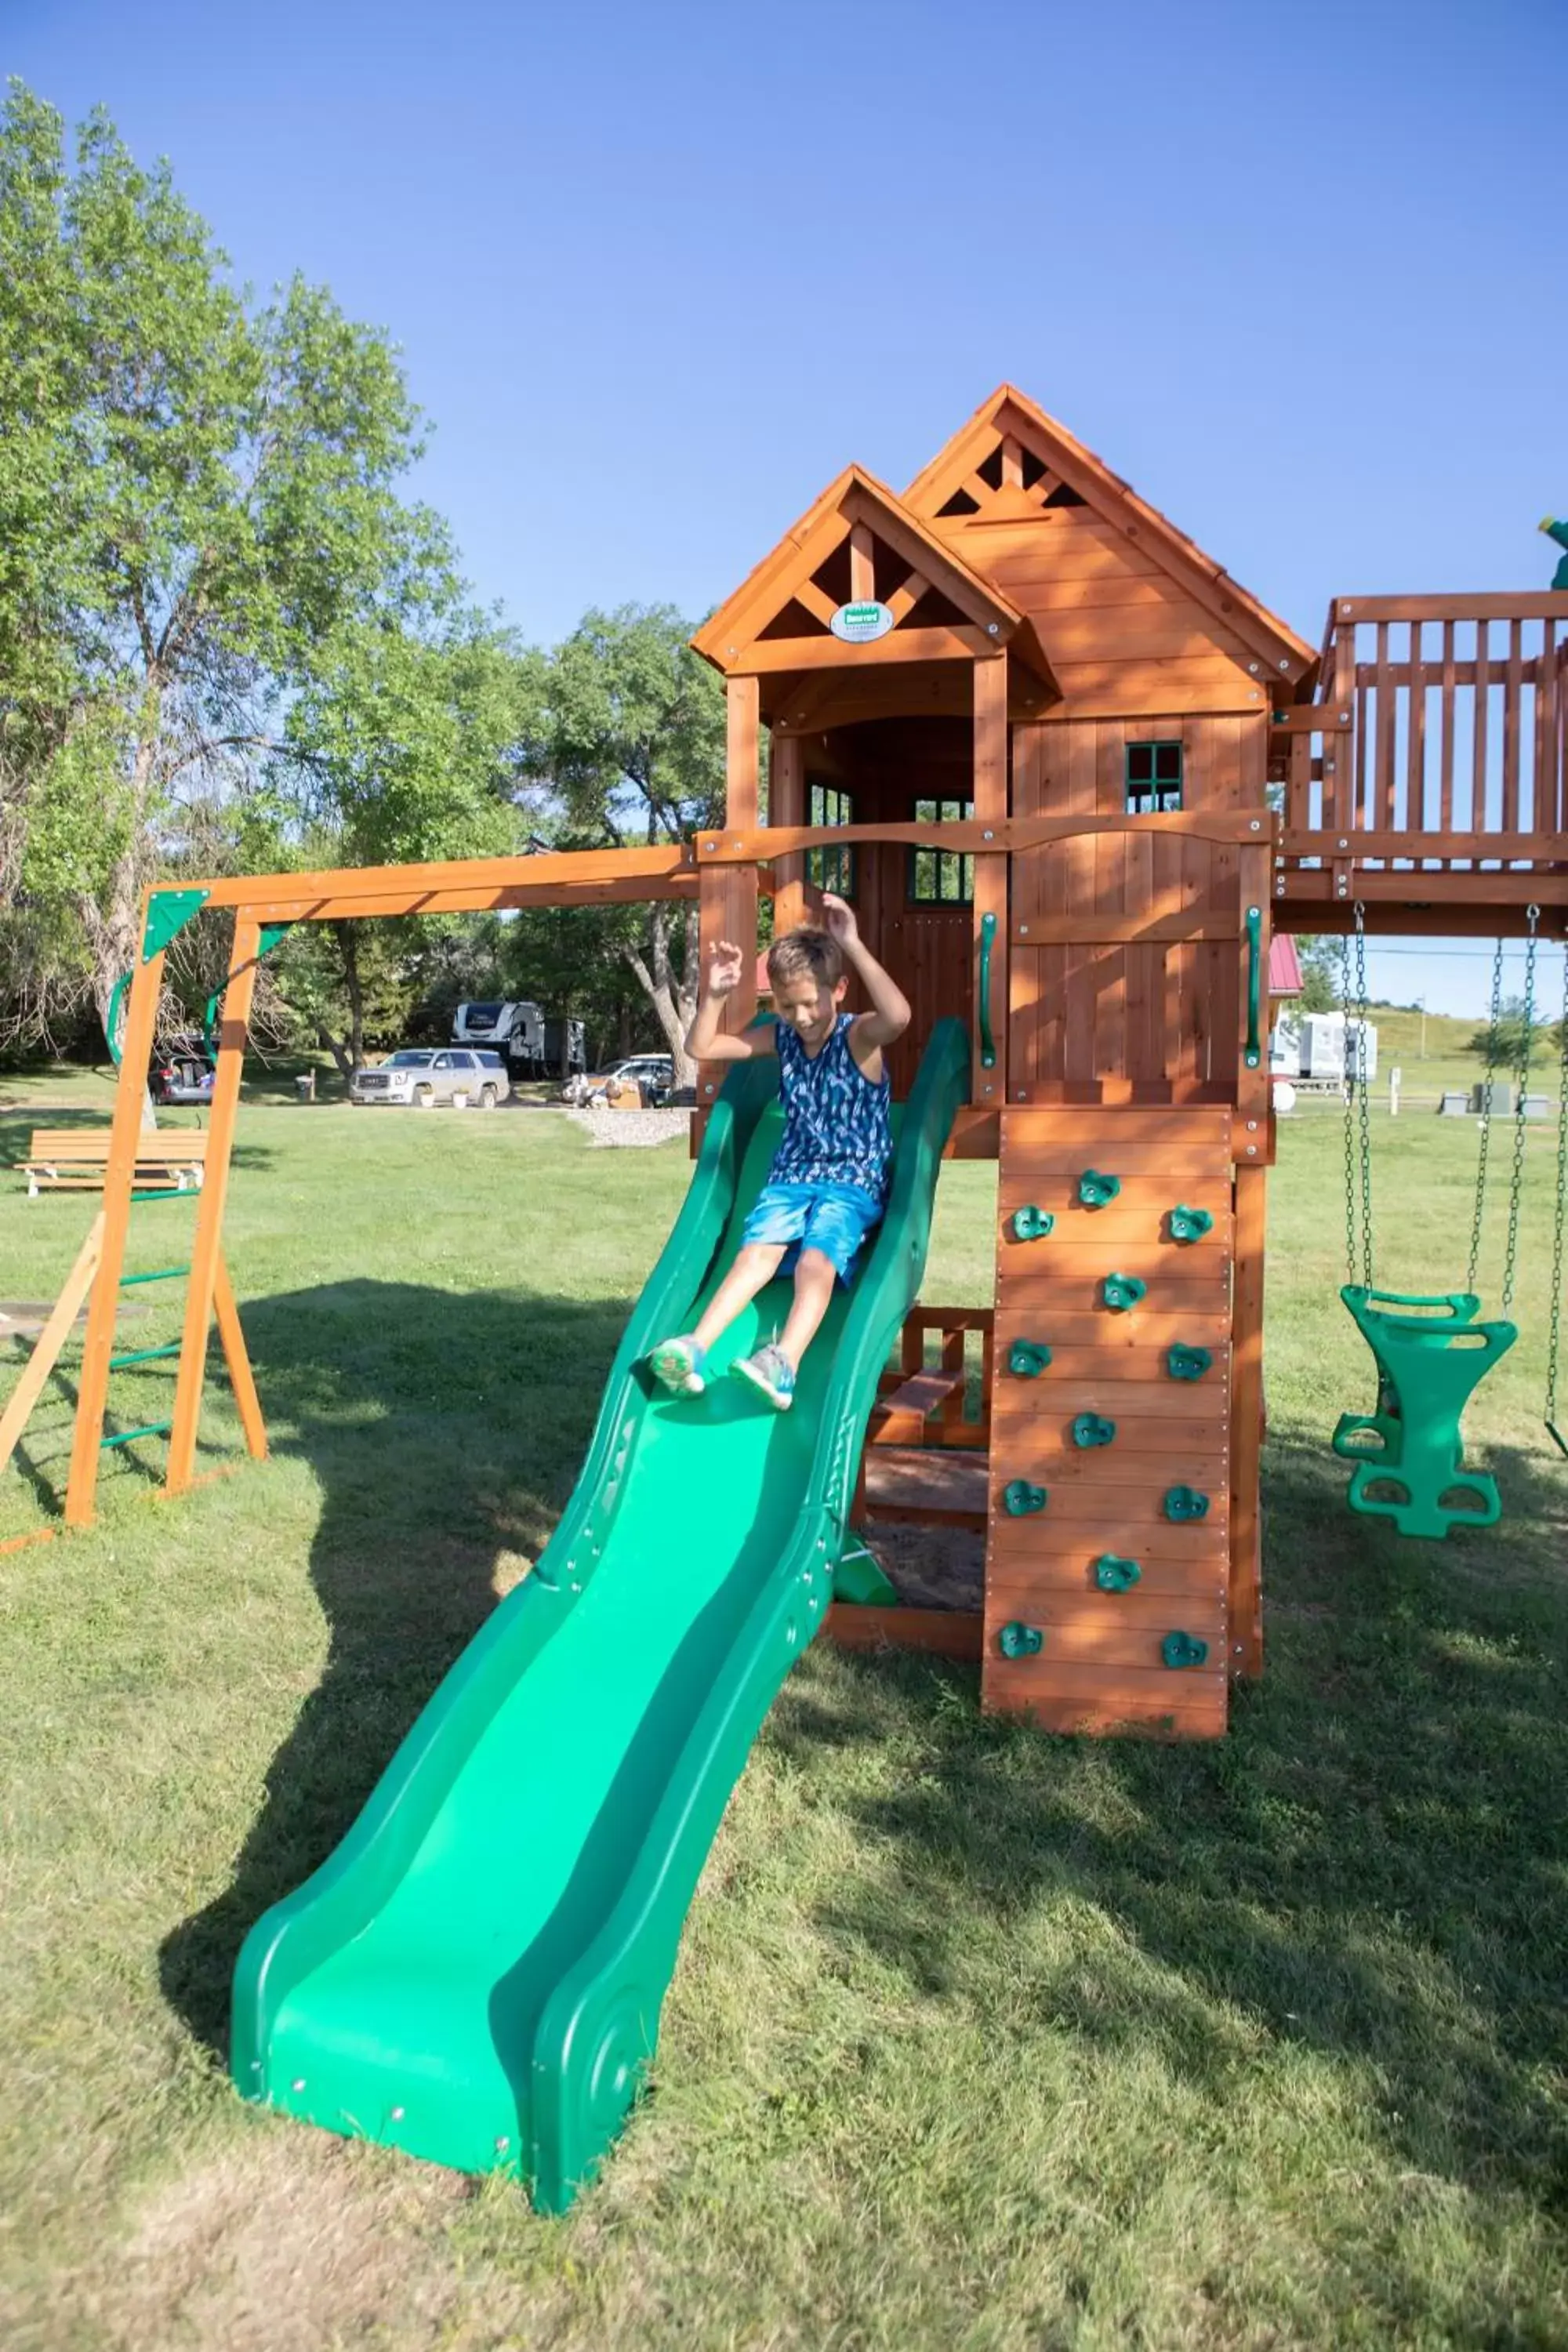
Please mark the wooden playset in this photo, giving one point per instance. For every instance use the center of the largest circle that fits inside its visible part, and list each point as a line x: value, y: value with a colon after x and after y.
x: 1070, y: 775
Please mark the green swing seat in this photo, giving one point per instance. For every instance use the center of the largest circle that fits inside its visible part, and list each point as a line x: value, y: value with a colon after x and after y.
x: 1428, y: 1362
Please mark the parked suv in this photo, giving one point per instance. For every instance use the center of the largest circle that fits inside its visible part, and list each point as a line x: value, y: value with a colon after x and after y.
x: 425, y: 1075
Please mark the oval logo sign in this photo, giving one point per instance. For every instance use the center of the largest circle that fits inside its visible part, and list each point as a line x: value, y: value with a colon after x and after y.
x: 861, y: 624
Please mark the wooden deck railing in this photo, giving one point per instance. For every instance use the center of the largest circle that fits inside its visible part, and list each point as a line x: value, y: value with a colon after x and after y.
x: 1438, y: 742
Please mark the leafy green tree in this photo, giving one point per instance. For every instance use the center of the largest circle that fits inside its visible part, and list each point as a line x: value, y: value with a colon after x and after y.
x: 1543, y: 1039
x: 633, y: 752
x: 1319, y: 961
x: 200, y: 523
x: 401, y: 749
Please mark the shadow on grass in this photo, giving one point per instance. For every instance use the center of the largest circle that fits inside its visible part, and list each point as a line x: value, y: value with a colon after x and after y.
x: 445, y: 1432
x: 1374, y: 1865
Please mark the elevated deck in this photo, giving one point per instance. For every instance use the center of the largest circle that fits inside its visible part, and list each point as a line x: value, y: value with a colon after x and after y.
x: 1427, y: 775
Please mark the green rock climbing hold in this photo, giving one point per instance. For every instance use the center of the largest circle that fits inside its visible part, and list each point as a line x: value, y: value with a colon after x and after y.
x: 1120, y: 1291
x: 1097, y: 1192
x: 1190, y: 1224
x: 1180, y: 1649
x: 1019, y: 1498
x: 1188, y: 1363
x: 1019, y: 1640
x: 1186, y: 1503
x: 1093, y: 1428
x: 1114, y: 1575
x: 1031, y: 1224
x: 1027, y: 1358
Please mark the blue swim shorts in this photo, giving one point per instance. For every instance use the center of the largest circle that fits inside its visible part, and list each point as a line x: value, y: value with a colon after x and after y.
x: 832, y: 1218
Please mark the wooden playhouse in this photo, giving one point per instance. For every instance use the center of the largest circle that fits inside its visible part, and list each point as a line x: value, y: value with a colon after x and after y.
x: 1070, y: 775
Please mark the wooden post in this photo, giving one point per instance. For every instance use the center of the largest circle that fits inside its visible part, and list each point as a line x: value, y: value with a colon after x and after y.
x: 862, y: 566
x: 727, y: 894
x: 119, y: 1175
x: 51, y: 1339
x: 990, y: 1085
x: 1246, y: 1425
x: 208, y: 1246
x: 786, y: 805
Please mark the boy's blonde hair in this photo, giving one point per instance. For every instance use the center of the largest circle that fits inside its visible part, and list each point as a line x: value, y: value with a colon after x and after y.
x: 807, y: 951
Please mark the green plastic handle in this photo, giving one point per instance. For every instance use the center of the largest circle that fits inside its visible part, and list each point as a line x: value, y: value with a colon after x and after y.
x: 987, y: 1042
x: 1254, y: 984
x: 111, y: 1018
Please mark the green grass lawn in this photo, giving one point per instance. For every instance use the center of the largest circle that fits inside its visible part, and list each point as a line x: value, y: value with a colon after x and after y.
x: 979, y: 2039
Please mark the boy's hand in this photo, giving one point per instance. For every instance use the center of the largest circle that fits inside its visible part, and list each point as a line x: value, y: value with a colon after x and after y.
x: 724, y: 968
x: 839, y: 920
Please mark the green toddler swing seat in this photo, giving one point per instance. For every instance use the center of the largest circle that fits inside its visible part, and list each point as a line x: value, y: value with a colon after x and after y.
x: 1430, y: 1349
x: 1429, y: 1359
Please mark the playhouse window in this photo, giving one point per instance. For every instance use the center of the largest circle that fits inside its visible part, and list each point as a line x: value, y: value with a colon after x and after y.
x: 942, y: 878
x: 1154, y: 778
x: 830, y: 869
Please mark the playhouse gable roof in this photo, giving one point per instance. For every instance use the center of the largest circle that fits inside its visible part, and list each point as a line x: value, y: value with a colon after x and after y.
x: 779, y: 617
x: 1012, y: 463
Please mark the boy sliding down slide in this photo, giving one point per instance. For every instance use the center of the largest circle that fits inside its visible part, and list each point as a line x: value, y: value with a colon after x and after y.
x: 828, y: 1187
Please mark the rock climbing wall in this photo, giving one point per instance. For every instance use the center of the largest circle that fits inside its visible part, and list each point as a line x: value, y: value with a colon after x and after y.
x: 1108, y: 1526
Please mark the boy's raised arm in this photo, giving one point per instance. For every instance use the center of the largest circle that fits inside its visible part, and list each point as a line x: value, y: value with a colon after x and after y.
x: 705, y: 1041
x: 889, y: 1014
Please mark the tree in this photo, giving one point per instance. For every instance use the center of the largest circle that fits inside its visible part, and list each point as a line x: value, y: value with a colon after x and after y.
x: 633, y: 752
x: 402, y: 747
x: 199, y: 518
x: 1509, y: 1038
x: 1321, y: 973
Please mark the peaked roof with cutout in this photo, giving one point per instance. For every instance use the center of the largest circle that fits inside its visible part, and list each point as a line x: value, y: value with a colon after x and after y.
x: 781, y: 614
x: 1012, y: 461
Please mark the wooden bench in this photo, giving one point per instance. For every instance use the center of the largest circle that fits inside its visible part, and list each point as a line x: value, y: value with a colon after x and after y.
x: 74, y: 1160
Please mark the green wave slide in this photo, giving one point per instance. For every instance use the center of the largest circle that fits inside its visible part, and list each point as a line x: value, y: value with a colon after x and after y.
x: 476, y: 1974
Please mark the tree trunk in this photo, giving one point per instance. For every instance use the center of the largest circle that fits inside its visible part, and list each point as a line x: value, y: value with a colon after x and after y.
x: 674, y: 1002
x: 347, y: 936
x: 114, y: 943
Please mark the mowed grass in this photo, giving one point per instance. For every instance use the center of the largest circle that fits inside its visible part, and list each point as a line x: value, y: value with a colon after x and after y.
x: 979, y: 2039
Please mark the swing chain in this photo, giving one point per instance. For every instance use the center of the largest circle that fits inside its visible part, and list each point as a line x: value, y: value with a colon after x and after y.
x: 1555, y: 1329
x: 1493, y: 1029
x: 1357, y: 1113
x: 1526, y: 1040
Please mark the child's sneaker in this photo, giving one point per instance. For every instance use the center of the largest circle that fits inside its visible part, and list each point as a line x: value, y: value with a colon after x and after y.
x: 771, y: 1370
x: 676, y: 1365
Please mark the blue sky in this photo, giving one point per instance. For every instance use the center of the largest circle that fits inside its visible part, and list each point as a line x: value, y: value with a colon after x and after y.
x: 659, y: 273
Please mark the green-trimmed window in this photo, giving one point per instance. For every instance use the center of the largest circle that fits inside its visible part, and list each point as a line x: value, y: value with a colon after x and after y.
x: 1154, y: 778
x: 830, y: 869
x: 942, y: 878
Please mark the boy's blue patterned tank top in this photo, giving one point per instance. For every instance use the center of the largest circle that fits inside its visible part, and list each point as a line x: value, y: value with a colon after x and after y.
x: 836, y: 1127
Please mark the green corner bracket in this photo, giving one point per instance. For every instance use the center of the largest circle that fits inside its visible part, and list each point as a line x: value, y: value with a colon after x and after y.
x: 168, y: 913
